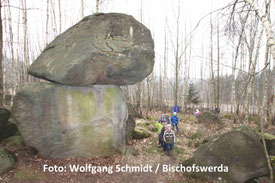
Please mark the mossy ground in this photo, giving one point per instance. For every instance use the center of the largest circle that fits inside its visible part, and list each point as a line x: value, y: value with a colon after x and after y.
x: 27, y: 174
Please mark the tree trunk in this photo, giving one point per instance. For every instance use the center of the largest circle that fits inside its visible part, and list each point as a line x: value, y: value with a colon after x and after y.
x: 164, y: 88
x: 148, y: 97
x: 1, y: 59
x: 185, y: 87
x: 218, y: 68
x: 60, y: 16
x: 264, y: 117
x: 82, y: 9
x: 47, y: 23
x: 271, y: 44
x: 201, y: 80
x: 177, y: 62
x: 211, y: 63
x: 267, y: 26
x: 97, y: 6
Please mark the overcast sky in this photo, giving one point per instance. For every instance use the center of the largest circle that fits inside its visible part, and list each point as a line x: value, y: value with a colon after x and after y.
x: 154, y: 16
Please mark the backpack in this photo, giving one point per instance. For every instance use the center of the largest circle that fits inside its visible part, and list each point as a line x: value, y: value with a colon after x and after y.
x: 169, y: 137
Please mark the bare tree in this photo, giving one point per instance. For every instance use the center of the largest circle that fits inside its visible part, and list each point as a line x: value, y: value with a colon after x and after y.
x: 1, y: 59
x: 164, y: 88
x: 177, y: 60
x: 47, y: 22
x: 82, y: 9
x: 211, y: 63
x: 97, y: 5
x: 266, y: 24
x: 218, y: 68
x: 60, y: 16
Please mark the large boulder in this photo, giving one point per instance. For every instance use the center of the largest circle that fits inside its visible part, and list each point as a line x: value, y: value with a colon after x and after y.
x: 4, y: 117
x: 65, y: 121
x: 102, y: 48
x: 7, y: 161
x: 240, y: 150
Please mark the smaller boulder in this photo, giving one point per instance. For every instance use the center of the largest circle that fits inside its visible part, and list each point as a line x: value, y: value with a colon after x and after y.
x: 209, y: 118
x: 4, y: 117
x: 10, y: 130
x: 130, y: 128
x: 240, y: 150
x: 141, y: 133
x: 7, y: 161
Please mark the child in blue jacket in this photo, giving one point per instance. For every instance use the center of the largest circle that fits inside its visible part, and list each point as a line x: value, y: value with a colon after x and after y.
x: 175, y: 121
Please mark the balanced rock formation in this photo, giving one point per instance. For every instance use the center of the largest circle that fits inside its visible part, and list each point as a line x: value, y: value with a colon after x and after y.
x: 66, y: 121
x: 112, y: 49
x: 240, y: 150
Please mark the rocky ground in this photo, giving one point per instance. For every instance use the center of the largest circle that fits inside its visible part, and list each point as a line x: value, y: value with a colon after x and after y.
x: 190, y: 136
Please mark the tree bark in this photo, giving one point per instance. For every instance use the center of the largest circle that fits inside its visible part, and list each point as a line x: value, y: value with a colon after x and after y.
x: 267, y: 26
x: 97, y: 6
x: 82, y: 9
x: 211, y: 63
x: 271, y: 44
x: 1, y: 59
x: 218, y: 69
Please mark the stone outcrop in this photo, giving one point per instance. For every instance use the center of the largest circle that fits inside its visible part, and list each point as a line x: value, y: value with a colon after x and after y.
x: 112, y: 49
x: 64, y: 121
x: 240, y: 150
x: 82, y: 111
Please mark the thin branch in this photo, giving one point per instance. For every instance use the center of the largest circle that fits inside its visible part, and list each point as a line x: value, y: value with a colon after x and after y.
x: 11, y: 6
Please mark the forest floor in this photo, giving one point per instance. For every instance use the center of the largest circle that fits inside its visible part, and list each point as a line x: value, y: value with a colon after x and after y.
x: 190, y: 136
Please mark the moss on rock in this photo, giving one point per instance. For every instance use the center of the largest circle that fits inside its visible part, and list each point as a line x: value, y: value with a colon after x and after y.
x: 269, y: 136
x: 67, y: 121
x: 16, y: 141
x: 7, y: 161
x: 109, y: 96
x: 141, y: 133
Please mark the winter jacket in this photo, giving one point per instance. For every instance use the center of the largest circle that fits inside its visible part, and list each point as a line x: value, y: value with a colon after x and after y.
x: 169, y: 137
x: 160, y: 126
x: 160, y: 120
x: 175, y: 120
x: 167, y: 120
